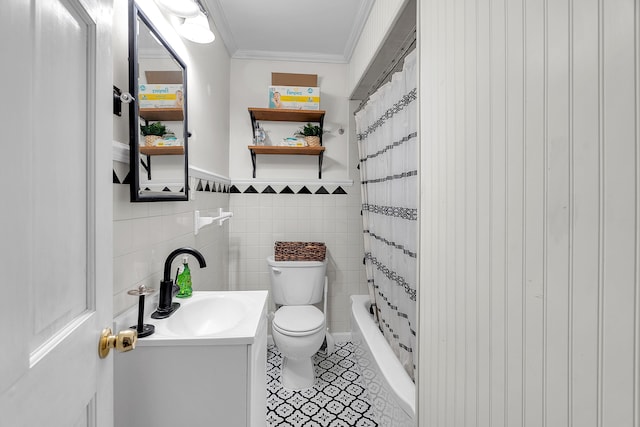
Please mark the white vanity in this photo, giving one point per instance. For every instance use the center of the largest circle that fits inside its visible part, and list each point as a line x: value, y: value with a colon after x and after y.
x: 204, y: 366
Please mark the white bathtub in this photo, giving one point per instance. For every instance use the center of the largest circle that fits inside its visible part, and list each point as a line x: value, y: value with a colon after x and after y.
x: 391, y: 390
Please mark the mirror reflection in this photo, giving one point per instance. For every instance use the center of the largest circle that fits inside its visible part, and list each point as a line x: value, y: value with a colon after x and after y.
x: 158, y: 130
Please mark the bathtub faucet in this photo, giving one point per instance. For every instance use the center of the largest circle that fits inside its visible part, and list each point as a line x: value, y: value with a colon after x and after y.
x: 167, y: 288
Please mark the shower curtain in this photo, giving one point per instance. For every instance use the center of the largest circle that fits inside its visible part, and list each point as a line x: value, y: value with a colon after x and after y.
x: 387, y: 137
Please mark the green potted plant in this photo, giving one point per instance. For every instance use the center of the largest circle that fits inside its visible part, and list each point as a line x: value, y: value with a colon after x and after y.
x: 311, y: 134
x: 152, y: 132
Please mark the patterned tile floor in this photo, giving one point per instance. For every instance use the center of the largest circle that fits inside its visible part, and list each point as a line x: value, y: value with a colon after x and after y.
x: 337, y: 398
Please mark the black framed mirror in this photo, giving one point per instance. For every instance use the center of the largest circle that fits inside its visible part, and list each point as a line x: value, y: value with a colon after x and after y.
x: 158, y: 135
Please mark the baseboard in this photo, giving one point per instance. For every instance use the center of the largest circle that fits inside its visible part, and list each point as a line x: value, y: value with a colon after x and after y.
x: 337, y: 336
x: 341, y: 336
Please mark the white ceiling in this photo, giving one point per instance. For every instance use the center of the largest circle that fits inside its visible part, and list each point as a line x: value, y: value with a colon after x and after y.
x: 290, y: 30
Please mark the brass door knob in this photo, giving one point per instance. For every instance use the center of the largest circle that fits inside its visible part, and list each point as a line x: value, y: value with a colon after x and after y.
x: 124, y: 341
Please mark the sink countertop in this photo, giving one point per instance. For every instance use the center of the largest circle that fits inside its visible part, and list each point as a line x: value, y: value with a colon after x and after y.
x: 242, y: 333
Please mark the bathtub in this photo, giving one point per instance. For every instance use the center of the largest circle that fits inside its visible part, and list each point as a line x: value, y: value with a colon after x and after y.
x: 391, y: 390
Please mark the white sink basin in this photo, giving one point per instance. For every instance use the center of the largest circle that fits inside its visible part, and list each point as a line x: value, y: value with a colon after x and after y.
x: 207, y: 318
x: 206, y: 314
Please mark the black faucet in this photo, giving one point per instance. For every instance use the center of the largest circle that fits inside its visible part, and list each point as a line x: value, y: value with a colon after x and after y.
x: 167, y: 288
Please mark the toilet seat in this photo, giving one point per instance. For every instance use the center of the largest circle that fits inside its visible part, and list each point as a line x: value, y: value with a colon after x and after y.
x: 298, y: 320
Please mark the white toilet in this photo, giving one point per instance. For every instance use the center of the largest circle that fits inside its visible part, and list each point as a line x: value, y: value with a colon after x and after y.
x: 298, y: 327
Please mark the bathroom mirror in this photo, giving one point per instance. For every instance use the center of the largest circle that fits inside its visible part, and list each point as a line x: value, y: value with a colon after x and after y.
x: 158, y: 135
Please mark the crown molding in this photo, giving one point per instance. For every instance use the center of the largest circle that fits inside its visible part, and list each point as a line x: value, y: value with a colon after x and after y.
x: 358, y: 26
x: 223, y: 29
x: 289, y: 56
x: 222, y: 26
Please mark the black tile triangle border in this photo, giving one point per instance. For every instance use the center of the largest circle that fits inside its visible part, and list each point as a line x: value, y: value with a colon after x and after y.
x: 216, y: 187
x: 287, y: 190
x: 339, y: 190
x: 200, y: 184
x: 127, y: 179
x: 251, y: 190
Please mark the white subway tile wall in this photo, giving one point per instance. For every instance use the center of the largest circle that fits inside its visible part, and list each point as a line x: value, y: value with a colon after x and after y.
x: 262, y: 219
x: 145, y: 233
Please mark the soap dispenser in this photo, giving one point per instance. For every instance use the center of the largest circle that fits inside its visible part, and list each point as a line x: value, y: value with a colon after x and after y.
x: 184, y: 279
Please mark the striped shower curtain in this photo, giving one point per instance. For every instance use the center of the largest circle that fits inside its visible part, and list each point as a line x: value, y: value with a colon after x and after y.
x: 387, y: 136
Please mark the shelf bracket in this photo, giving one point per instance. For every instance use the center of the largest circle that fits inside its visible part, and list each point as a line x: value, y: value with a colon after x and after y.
x: 253, y: 130
x: 253, y: 161
x: 147, y: 166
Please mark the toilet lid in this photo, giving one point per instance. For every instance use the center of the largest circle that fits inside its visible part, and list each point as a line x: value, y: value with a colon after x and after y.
x: 298, y: 318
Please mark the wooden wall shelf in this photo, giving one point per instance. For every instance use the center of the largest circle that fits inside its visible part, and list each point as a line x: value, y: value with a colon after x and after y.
x: 273, y: 149
x: 166, y: 114
x: 284, y: 115
x: 162, y: 150
x: 282, y: 150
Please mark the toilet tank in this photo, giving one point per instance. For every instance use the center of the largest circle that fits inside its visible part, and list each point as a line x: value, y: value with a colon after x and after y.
x: 297, y: 282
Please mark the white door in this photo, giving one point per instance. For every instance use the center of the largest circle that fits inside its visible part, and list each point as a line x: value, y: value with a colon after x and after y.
x: 55, y: 243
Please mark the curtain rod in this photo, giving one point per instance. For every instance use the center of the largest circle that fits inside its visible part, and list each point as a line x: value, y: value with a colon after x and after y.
x: 407, y: 47
x: 203, y: 9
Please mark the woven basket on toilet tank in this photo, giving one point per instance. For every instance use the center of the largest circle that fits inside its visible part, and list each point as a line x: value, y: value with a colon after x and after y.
x: 299, y: 251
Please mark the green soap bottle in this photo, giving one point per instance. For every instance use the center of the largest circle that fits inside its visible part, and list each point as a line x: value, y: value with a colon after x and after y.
x: 184, y: 280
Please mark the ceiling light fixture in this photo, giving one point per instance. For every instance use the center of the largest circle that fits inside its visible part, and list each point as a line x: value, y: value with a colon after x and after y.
x: 197, y: 29
x: 181, y: 8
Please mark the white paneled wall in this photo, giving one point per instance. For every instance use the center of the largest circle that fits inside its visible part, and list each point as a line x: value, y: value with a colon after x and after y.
x: 380, y: 21
x: 145, y: 233
x: 262, y: 219
x: 529, y: 295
